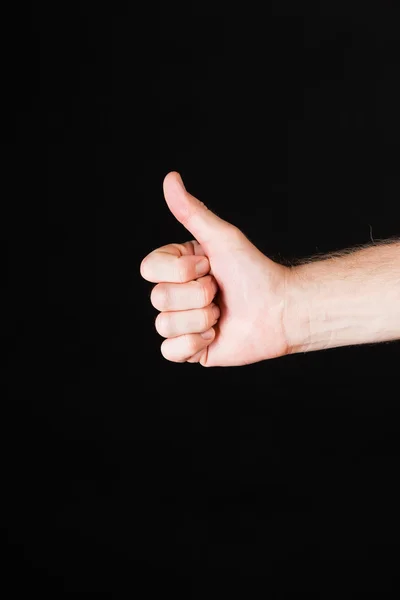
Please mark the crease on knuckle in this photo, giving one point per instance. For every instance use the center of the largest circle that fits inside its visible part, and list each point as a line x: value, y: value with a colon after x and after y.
x: 191, y: 345
x: 182, y: 271
x: 206, y: 320
x: 203, y: 294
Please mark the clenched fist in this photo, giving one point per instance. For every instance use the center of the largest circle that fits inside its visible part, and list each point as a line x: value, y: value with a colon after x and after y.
x: 221, y: 301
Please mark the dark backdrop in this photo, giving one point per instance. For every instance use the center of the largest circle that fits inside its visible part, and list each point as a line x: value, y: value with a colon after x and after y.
x: 120, y: 470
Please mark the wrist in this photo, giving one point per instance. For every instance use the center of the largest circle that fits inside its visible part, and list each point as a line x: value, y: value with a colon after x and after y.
x: 346, y: 300
x: 297, y: 313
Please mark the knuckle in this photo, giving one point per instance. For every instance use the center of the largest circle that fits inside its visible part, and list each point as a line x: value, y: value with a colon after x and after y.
x: 204, y: 294
x: 213, y: 288
x: 159, y: 297
x: 164, y: 351
x: 143, y: 268
x: 235, y: 233
x: 211, y: 317
x: 161, y: 324
x: 205, y: 319
x: 169, y: 354
x: 207, y: 291
x: 191, y: 346
x: 182, y: 272
x: 234, y: 230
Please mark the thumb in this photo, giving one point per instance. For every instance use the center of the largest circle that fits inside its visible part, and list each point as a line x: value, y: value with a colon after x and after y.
x: 202, y: 223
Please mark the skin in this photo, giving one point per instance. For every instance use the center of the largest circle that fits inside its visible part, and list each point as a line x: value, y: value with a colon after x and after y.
x: 254, y: 309
x: 247, y: 286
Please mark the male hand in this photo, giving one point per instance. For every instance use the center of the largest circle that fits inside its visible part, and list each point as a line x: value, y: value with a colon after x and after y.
x: 237, y: 298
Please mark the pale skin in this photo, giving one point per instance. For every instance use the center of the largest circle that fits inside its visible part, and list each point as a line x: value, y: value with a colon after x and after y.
x: 254, y: 309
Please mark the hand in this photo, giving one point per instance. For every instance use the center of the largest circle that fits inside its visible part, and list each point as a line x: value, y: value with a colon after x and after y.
x: 237, y: 281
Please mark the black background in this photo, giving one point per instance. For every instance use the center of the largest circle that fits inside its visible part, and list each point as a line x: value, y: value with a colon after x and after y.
x: 122, y: 472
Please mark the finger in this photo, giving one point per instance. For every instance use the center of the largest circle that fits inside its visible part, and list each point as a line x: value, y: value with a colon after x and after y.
x: 197, y: 248
x: 184, y: 296
x: 204, y: 224
x: 181, y: 249
x: 167, y: 264
x: 196, y: 358
x: 182, y: 348
x: 199, y: 251
x: 174, y: 324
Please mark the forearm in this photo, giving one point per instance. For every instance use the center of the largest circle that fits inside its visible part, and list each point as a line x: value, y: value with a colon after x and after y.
x: 347, y: 299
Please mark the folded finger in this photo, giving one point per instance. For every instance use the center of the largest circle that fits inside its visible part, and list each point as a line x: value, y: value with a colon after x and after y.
x: 174, y: 263
x: 174, y: 324
x: 182, y: 348
x: 186, y: 296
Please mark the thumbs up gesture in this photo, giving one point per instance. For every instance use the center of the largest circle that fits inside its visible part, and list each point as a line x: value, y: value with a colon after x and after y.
x: 221, y: 301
